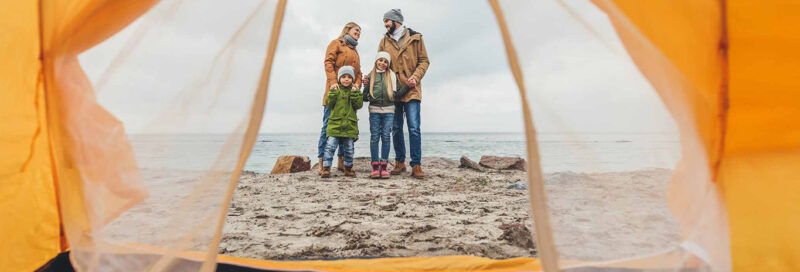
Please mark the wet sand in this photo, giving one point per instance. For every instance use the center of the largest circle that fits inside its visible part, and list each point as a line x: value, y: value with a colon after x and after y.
x: 452, y: 211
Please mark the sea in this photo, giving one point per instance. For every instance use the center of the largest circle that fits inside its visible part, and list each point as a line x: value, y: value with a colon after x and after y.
x: 559, y: 152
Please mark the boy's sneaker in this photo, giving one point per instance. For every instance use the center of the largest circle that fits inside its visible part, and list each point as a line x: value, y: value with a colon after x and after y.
x: 348, y: 171
x: 384, y: 174
x: 376, y: 170
x: 326, y: 172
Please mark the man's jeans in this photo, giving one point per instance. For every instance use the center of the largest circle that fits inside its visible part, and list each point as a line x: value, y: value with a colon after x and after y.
x: 411, y: 111
x: 323, y: 137
x: 380, y: 130
x: 346, y: 145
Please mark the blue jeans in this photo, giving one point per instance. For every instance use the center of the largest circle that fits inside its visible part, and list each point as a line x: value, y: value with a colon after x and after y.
x: 411, y: 110
x: 347, y: 146
x: 323, y: 137
x: 380, y: 130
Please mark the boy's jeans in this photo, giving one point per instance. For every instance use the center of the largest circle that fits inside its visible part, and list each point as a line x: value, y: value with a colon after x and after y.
x: 411, y: 110
x: 323, y: 136
x: 347, y: 147
x: 380, y: 130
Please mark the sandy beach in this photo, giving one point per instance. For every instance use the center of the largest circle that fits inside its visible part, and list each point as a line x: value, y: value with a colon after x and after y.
x: 453, y: 211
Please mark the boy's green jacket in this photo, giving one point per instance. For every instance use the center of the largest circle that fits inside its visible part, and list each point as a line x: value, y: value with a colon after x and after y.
x: 343, y: 121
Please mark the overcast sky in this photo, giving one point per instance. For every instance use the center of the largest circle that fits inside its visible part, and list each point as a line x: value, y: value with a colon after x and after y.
x: 579, y: 78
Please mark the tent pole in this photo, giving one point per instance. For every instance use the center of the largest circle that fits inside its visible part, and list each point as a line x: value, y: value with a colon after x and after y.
x: 538, y: 202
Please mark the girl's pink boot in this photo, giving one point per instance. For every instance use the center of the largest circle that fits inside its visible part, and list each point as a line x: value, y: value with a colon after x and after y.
x: 384, y: 173
x: 376, y: 170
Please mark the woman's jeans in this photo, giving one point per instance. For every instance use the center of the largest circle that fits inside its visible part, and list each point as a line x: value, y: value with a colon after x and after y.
x: 410, y: 110
x: 380, y: 130
x: 346, y: 145
x: 323, y: 137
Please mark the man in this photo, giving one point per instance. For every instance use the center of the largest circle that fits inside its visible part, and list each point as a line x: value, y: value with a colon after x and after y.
x: 409, y: 62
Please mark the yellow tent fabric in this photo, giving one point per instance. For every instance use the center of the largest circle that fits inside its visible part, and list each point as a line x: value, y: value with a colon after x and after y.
x: 738, y: 59
x: 726, y: 69
x: 761, y: 158
x: 28, y: 202
x: 38, y: 36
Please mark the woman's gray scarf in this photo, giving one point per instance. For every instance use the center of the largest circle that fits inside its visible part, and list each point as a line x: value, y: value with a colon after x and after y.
x: 352, y: 42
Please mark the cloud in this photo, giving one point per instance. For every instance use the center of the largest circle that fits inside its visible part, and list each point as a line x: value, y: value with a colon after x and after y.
x: 578, y: 79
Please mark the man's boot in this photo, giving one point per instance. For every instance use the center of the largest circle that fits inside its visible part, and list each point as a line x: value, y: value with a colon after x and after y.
x: 320, y: 166
x: 348, y: 171
x: 399, y: 167
x: 326, y: 172
x: 416, y: 172
x: 340, y: 166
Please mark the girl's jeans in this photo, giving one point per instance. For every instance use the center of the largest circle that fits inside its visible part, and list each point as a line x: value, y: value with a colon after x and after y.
x: 380, y: 130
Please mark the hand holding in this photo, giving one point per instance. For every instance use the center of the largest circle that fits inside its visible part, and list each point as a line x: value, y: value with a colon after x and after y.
x: 411, y: 82
x: 334, y: 86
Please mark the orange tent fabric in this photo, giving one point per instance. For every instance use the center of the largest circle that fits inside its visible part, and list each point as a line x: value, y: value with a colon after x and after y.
x: 760, y: 166
x: 28, y: 203
x: 726, y: 69
x: 47, y: 143
x: 85, y: 137
x: 735, y: 85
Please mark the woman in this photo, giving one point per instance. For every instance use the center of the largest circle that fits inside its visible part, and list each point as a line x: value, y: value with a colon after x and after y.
x: 341, y: 52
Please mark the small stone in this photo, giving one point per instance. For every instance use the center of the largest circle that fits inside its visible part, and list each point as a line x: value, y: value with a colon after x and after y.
x: 517, y: 186
x: 467, y: 163
x: 503, y: 163
x: 291, y: 164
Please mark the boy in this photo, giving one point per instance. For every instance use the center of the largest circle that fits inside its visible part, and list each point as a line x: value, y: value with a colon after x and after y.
x: 343, y: 123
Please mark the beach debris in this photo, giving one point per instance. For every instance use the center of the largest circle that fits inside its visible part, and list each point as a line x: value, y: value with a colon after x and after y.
x: 467, y: 163
x: 390, y: 207
x: 517, y: 234
x: 517, y: 186
x: 291, y: 164
x: 503, y: 163
x: 324, y: 231
x: 419, y: 229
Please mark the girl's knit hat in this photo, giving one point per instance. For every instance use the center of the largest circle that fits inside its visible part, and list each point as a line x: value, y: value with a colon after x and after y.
x: 346, y: 70
x: 385, y: 55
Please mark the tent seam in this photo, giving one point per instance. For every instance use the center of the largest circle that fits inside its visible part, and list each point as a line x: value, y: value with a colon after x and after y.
x: 724, y: 101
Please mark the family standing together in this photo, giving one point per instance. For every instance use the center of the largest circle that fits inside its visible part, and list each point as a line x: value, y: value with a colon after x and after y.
x: 393, y: 89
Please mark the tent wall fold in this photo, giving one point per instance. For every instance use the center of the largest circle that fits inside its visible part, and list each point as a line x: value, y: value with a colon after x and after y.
x: 84, y: 136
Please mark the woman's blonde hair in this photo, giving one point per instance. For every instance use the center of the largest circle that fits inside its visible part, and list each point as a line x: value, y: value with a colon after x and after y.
x: 347, y: 28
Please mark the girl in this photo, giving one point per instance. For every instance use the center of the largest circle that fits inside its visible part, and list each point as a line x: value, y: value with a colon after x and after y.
x: 380, y: 91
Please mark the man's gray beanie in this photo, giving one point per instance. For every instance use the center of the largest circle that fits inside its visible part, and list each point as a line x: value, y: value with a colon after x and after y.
x: 394, y: 15
x: 346, y: 70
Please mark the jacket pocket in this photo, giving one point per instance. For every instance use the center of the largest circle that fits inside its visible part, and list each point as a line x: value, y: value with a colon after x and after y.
x: 352, y: 124
x: 335, y: 124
